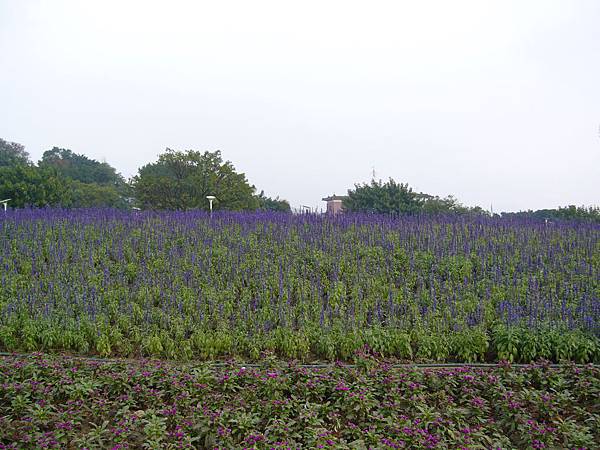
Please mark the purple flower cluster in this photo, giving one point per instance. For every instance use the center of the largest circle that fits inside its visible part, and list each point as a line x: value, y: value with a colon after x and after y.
x: 182, y: 285
x: 153, y: 404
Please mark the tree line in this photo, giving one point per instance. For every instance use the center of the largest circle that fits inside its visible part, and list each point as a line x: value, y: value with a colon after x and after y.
x: 392, y: 197
x: 181, y: 180
x: 571, y: 212
x: 398, y: 198
x: 178, y: 180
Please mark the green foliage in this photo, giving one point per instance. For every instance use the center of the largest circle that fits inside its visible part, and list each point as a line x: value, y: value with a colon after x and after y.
x: 62, y: 178
x: 397, y: 198
x: 432, y: 204
x: 571, y: 212
x: 90, y: 195
x: 103, y: 346
x: 519, y: 344
x: 379, y: 197
x: 13, y: 154
x: 80, y: 168
x: 272, y: 204
x: 431, y: 346
x: 470, y: 345
x: 65, y: 402
x: 436, y: 205
x: 27, y: 185
x: 182, y: 180
x: 91, y: 183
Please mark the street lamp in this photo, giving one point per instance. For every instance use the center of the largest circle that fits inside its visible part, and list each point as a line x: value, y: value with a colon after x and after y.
x: 210, y: 200
x: 5, y: 203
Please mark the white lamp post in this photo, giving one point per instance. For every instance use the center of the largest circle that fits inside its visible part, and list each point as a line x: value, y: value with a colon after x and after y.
x: 210, y: 200
x: 5, y: 203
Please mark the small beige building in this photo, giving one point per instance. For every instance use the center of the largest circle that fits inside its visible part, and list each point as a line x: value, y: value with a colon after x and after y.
x: 334, y: 203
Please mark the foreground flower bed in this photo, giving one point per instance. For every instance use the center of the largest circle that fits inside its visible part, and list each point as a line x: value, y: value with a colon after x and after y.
x: 54, y: 402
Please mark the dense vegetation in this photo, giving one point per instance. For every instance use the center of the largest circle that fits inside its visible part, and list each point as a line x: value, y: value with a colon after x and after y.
x: 61, y: 178
x: 379, y: 197
x: 178, y: 180
x: 432, y: 281
x: 183, y: 285
x: 66, y: 403
x: 182, y: 180
x: 392, y: 197
x: 12, y: 154
x: 571, y: 212
x: 90, y: 183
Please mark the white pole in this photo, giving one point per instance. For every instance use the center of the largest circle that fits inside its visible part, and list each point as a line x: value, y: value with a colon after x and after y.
x: 210, y: 199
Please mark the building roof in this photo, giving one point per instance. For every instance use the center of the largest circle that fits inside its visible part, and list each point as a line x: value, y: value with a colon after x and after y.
x: 334, y: 197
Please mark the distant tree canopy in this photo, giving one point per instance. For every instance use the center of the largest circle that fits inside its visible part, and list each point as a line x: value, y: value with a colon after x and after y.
x: 379, y: 197
x: 571, y: 212
x: 28, y: 185
x: 397, y: 198
x: 90, y: 195
x: 178, y: 180
x: 432, y: 204
x: 272, y: 204
x: 13, y: 154
x: 80, y: 167
x: 92, y: 183
x: 436, y: 205
x: 182, y: 180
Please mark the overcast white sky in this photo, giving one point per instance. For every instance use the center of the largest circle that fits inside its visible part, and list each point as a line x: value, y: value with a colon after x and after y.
x: 493, y: 102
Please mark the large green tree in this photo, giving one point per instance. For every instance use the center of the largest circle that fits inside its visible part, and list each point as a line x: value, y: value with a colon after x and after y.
x: 92, y: 183
x: 80, y: 167
x: 28, y: 185
x: 182, y: 180
x: 13, y: 154
x: 379, y: 197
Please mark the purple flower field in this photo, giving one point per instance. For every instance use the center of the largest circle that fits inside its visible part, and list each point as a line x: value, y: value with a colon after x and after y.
x: 49, y: 402
x: 236, y: 287
x: 181, y: 285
